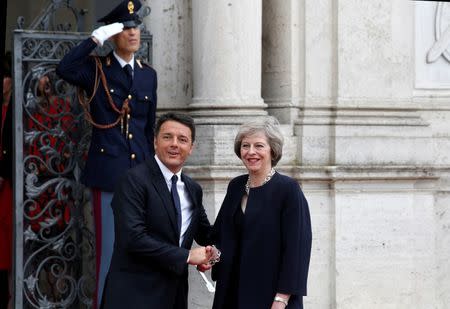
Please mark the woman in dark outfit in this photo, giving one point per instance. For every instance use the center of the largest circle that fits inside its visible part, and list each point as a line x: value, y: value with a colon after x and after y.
x: 263, y: 229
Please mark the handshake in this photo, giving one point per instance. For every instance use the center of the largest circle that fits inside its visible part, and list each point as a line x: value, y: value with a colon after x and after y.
x: 204, y: 257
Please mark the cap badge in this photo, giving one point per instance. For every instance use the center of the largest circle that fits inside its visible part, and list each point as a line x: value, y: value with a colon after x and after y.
x: 130, y: 7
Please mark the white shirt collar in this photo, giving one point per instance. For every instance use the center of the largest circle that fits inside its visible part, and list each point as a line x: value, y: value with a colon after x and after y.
x: 166, y: 172
x: 123, y: 62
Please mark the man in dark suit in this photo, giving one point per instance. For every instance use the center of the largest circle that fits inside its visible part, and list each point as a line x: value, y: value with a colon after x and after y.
x: 158, y: 213
x: 121, y: 107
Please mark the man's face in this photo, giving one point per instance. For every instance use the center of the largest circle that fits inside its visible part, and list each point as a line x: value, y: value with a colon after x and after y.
x: 173, y: 144
x: 127, y: 41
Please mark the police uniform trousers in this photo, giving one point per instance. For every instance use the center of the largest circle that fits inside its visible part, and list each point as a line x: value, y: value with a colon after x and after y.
x: 104, y: 238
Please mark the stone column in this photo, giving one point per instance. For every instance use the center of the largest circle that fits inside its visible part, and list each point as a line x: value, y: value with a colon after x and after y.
x: 226, y: 87
x: 226, y: 60
x: 282, y: 58
x: 170, y: 24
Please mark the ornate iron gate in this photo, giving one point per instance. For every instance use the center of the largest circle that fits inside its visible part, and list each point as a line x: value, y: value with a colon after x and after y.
x: 54, y: 242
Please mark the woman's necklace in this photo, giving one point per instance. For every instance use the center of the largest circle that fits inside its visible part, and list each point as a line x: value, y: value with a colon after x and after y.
x: 268, y: 177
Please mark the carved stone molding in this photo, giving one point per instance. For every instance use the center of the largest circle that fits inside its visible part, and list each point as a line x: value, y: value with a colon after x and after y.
x: 432, y: 46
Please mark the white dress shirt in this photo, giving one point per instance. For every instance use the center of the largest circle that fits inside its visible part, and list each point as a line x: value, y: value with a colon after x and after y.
x: 185, y: 200
x: 123, y: 62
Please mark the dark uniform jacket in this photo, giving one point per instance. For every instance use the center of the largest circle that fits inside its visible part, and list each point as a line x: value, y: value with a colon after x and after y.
x: 149, y: 269
x: 275, y: 244
x: 112, y: 151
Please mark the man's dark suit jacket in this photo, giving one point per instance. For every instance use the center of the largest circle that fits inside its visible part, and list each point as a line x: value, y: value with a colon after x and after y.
x: 148, y: 268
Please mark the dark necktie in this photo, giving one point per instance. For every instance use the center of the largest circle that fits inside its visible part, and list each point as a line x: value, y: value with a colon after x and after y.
x: 176, y: 201
x: 129, y: 72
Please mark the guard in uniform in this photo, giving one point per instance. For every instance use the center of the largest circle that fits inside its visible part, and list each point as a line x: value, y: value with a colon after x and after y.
x: 121, y: 105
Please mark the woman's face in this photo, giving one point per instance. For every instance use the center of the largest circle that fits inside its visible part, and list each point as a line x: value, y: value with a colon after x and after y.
x: 256, y: 153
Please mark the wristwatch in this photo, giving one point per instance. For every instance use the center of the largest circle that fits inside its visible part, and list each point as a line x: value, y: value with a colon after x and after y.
x: 281, y: 300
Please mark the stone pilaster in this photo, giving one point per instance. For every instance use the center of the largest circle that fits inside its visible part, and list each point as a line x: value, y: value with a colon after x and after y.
x: 282, y: 55
x: 226, y: 86
x: 226, y: 61
x: 170, y: 24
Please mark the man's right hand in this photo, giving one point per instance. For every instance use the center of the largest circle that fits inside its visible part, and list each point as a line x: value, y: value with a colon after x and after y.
x: 101, y: 34
x: 200, y: 255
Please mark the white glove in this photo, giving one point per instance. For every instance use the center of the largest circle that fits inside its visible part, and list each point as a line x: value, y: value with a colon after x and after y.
x: 105, y: 32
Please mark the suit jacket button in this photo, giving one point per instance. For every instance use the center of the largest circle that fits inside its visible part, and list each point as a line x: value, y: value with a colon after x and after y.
x: 128, y: 116
x: 130, y: 97
x: 146, y: 97
x: 133, y: 156
x: 130, y: 136
x: 112, y: 90
x: 102, y: 150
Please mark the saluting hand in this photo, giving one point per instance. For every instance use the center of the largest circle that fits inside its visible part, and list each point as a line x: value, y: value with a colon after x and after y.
x: 101, y: 34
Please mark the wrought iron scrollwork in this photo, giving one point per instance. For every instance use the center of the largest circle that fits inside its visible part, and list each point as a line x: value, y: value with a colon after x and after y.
x: 48, y: 20
x: 58, y: 242
x: 72, y: 18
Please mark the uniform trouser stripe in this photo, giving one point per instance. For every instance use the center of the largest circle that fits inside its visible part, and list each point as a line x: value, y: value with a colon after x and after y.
x: 104, y: 237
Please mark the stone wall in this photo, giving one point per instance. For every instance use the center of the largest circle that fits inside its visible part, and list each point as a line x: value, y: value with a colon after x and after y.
x: 366, y: 121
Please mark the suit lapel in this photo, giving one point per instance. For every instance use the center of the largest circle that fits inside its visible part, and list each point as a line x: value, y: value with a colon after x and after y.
x: 160, y: 185
x: 190, y: 189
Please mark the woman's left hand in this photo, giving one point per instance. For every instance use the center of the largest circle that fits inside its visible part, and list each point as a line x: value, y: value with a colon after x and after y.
x: 280, y: 304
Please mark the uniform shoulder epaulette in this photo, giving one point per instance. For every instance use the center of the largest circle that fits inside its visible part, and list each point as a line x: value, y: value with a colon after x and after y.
x: 142, y: 63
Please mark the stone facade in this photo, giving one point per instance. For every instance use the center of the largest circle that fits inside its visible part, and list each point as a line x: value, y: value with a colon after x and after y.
x: 362, y: 90
x: 365, y: 113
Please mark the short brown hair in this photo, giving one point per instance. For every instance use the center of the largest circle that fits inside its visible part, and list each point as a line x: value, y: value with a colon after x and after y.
x: 184, y: 119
